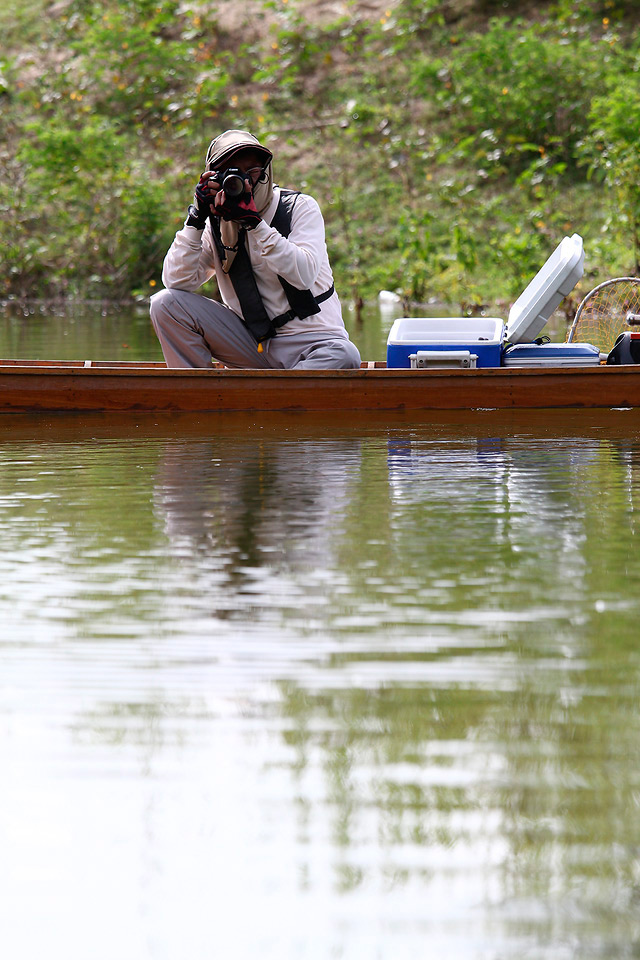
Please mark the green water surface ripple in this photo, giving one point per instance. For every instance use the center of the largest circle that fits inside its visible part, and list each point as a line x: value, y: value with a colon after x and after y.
x: 293, y: 688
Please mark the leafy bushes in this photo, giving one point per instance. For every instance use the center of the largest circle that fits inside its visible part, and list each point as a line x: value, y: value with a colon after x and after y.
x: 519, y: 93
x: 90, y: 183
x: 611, y: 152
x: 144, y: 62
x: 449, y: 153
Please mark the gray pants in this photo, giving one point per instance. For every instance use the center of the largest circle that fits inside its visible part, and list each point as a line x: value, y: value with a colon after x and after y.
x: 193, y: 329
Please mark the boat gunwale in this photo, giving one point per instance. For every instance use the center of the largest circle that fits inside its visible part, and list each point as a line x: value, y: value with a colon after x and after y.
x: 119, y: 368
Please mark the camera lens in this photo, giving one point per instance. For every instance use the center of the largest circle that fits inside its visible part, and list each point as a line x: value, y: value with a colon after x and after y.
x: 233, y: 184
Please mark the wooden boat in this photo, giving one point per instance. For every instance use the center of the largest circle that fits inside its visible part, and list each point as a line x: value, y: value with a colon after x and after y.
x: 126, y: 386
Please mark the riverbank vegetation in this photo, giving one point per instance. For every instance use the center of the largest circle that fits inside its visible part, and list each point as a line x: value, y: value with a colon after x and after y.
x: 451, y: 143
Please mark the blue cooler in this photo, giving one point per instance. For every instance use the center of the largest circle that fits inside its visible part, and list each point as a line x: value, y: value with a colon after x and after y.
x: 445, y: 342
x: 480, y: 341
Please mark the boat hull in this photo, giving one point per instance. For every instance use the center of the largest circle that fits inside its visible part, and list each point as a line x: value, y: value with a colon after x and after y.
x: 128, y: 386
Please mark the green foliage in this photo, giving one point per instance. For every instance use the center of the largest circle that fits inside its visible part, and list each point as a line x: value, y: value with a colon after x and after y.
x: 24, y: 17
x: 143, y: 62
x: 514, y: 93
x: 611, y: 150
x: 95, y: 140
x: 89, y: 210
x: 449, y: 151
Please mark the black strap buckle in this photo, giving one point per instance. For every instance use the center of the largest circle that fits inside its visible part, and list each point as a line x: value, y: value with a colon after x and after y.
x: 291, y: 314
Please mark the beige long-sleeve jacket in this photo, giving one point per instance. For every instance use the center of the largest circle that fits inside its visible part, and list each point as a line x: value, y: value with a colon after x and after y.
x: 301, y: 259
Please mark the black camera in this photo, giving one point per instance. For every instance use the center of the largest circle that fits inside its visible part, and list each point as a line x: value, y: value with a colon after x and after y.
x: 233, y: 183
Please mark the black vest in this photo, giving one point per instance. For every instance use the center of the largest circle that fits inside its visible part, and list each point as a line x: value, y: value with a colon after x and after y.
x: 302, y: 303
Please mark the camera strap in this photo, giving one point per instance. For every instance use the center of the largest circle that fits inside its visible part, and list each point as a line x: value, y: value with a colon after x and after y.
x: 302, y: 303
x: 254, y: 314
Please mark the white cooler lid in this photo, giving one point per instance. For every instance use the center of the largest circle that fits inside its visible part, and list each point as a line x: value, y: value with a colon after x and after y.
x: 549, y: 287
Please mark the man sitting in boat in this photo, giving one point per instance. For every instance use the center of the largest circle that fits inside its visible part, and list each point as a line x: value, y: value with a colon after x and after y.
x: 266, y: 247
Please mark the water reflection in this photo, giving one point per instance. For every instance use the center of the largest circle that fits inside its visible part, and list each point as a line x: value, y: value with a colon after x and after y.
x: 366, y: 683
x: 273, y: 504
x: 84, y: 331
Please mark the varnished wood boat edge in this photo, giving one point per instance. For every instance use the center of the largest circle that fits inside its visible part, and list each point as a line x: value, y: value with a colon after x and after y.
x: 127, y: 386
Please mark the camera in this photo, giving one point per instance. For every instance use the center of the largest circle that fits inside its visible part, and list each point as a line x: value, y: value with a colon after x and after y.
x: 233, y: 183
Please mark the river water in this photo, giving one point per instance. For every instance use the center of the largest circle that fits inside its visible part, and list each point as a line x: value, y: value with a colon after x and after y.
x: 298, y: 687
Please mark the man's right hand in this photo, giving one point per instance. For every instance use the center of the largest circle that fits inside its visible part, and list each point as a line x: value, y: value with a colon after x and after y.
x: 203, y: 198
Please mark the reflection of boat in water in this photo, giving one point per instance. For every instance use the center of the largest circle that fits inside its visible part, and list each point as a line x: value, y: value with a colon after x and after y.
x: 517, y: 486
x: 620, y: 426
x: 125, y: 386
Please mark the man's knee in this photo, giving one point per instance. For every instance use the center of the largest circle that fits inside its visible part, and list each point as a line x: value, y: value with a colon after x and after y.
x: 162, y: 305
x: 341, y: 354
x: 168, y: 307
x: 338, y: 354
x: 350, y: 355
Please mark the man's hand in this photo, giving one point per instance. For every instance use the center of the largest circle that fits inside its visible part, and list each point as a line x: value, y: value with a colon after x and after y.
x: 243, y: 211
x: 203, y: 199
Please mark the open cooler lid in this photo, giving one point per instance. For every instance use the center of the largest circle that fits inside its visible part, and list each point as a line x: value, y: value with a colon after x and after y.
x: 549, y: 287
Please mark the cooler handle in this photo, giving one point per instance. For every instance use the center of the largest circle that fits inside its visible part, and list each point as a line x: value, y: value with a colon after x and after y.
x: 443, y: 359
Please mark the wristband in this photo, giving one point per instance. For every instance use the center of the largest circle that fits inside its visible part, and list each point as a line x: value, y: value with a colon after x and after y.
x: 195, y: 218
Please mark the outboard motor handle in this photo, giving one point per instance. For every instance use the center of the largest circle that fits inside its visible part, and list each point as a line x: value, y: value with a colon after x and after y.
x: 626, y: 349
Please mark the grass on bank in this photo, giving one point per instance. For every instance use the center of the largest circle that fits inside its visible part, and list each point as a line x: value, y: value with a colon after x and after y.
x: 450, y: 144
